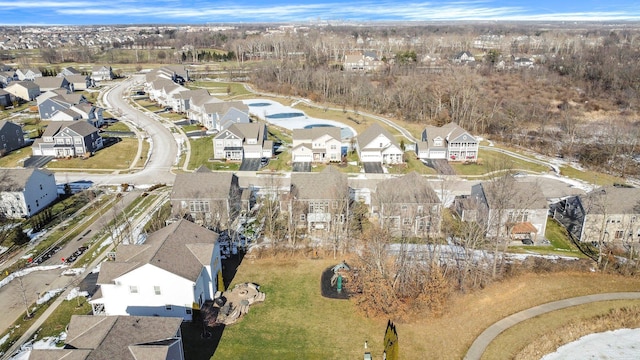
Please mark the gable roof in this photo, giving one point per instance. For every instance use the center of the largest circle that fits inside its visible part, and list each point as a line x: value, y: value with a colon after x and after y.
x: 411, y: 188
x: 83, y: 128
x: 16, y: 179
x: 121, y: 337
x: 203, y: 184
x: 224, y: 106
x: 328, y: 184
x: 367, y: 136
x: 316, y: 132
x: 182, y: 248
x: 612, y: 200
x: 249, y: 131
x: 448, y: 132
x: 507, y: 193
x: 50, y: 82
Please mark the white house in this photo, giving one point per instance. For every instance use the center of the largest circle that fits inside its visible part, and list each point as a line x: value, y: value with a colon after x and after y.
x: 317, y: 145
x: 241, y: 141
x: 172, y: 273
x: 377, y: 145
x: 25, y: 192
x: 449, y: 142
x: 102, y: 72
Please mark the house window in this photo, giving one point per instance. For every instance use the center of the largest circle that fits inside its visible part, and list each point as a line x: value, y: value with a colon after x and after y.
x: 420, y: 209
x: 333, y: 147
x: 188, y: 311
x: 525, y: 217
x: 619, y: 234
x: 406, y: 221
x: 334, y: 204
x: 156, y: 290
x: 303, y: 217
x: 633, y: 219
x: 133, y: 289
x: 168, y: 307
x: 404, y: 207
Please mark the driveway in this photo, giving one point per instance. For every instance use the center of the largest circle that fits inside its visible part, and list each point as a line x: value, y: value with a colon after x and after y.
x: 250, y: 164
x: 301, y: 167
x: 37, y: 161
x: 482, y: 342
x: 373, y: 168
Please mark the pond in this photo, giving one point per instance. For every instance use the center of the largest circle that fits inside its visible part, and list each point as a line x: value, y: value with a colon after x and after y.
x: 260, y: 104
x: 285, y: 115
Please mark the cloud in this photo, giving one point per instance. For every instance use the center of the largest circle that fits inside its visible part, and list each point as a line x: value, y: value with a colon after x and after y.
x: 124, y: 11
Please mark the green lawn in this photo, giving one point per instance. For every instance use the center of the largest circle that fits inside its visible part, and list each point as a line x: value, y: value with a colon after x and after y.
x: 412, y: 163
x: 295, y: 321
x: 15, y: 158
x: 558, y: 236
x: 491, y: 161
x: 118, y: 126
x: 201, y: 152
x: 592, y: 177
x: 216, y: 87
x: 115, y: 157
x: 61, y: 316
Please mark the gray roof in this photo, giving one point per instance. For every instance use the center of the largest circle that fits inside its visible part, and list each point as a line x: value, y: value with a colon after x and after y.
x: 25, y: 84
x: 506, y: 193
x: 16, y: 179
x: 203, y: 184
x: 372, y: 132
x: 316, y: 132
x: 447, y: 132
x: 327, y: 184
x: 411, y: 188
x: 181, y: 248
x: 50, y: 82
x: 77, y: 78
x: 612, y: 200
x: 121, y: 337
x: 83, y: 128
x: 249, y: 131
x: 224, y: 106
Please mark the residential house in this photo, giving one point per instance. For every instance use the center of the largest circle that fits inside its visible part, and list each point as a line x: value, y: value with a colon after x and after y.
x: 317, y: 145
x: 48, y: 83
x: 6, y: 77
x: 102, y: 72
x: 184, y: 99
x: 11, y: 137
x: 78, y: 82
x: 407, y: 206
x: 449, y: 142
x: 164, y: 91
x: 318, y: 201
x: 68, y: 139
x: 196, y: 109
x: 463, y: 57
x: 68, y: 107
x: 171, y: 274
x: 218, y: 116
x: 23, y: 90
x: 5, y: 99
x: 208, y: 198
x: 523, y: 62
x: 90, y: 113
x: 25, y: 192
x: 366, y: 61
x: 28, y: 74
x: 607, y: 214
x: 507, y: 208
x: 377, y: 145
x: 69, y: 71
x: 240, y: 141
x: 118, y: 337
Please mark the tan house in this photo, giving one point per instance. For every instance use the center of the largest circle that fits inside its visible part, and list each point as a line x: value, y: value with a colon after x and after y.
x: 377, y: 145
x: 407, y: 206
x: 317, y: 145
x: 23, y: 90
x: 366, y: 61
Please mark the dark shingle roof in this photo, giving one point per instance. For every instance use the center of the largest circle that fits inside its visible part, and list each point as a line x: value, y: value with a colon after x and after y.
x: 408, y: 189
x: 203, y: 185
x: 328, y: 184
x: 182, y: 248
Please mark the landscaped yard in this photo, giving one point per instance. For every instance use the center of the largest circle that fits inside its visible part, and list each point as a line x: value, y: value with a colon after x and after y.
x: 489, y: 161
x: 115, y: 157
x: 15, y: 158
x: 296, y: 322
x: 201, y: 152
x: 592, y: 177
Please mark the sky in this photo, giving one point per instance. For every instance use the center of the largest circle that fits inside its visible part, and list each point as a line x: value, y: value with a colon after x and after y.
x: 103, y: 12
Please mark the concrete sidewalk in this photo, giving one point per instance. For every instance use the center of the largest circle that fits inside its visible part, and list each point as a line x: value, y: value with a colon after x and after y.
x: 482, y: 342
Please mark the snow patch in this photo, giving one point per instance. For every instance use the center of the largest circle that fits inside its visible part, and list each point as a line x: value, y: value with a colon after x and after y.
x: 75, y: 292
x: 48, y: 295
x: 617, y: 344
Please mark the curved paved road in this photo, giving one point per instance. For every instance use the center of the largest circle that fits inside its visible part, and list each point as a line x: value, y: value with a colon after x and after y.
x: 482, y: 342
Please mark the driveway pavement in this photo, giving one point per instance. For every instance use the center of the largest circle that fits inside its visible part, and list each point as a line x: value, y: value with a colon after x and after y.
x: 372, y: 167
x: 482, y: 342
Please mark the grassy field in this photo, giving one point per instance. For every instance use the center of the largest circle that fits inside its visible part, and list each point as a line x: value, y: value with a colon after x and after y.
x: 61, y: 316
x: 201, y: 152
x: 296, y: 322
x: 511, y: 343
x: 591, y: 177
x: 223, y: 90
x: 118, y: 126
x: 115, y: 157
x: 15, y: 158
x: 490, y: 161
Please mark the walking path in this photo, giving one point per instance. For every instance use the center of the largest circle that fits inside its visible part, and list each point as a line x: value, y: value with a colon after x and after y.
x: 482, y: 342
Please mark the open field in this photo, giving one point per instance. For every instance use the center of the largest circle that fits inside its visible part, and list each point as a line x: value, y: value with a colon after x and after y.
x: 296, y: 322
x: 592, y: 177
x: 491, y: 161
x: 568, y: 325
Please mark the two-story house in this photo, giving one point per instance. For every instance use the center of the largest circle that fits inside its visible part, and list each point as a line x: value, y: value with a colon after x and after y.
x: 365, y: 62
x: 377, y: 145
x: 171, y: 274
x: 23, y: 90
x: 240, y: 141
x: 25, y: 192
x: 317, y: 145
x: 507, y: 208
x: 69, y: 71
x: 449, y: 142
x: 78, y: 82
x: 218, y: 116
x: 28, y: 74
x: 205, y: 197
x: 102, y: 72
x: 11, y: 137
x: 407, y: 206
x: 47, y: 83
x: 607, y: 214
x: 318, y: 201
x: 118, y: 337
x: 68, y: 139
